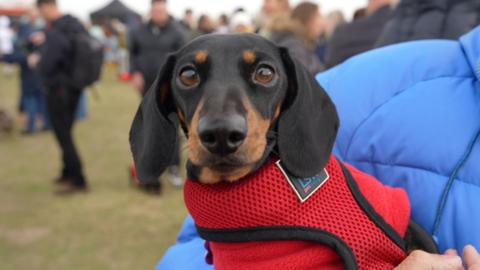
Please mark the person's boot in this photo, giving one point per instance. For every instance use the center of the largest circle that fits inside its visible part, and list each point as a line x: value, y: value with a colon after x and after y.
x: 62, y: 180
x: 150, y: 188
x: 72, y: 186
x: 70, y: 189
x: 153, y: 188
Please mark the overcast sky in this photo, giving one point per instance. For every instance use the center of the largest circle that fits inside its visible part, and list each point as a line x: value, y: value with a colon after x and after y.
x: 82, y: 8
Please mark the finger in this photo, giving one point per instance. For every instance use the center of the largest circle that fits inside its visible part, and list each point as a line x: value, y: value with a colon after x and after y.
x: 451, y: 252
x: 421, y: 260
x: 471, y: 256
x: 447, y: 263
x: 474, y: 267
x: 439, y: 262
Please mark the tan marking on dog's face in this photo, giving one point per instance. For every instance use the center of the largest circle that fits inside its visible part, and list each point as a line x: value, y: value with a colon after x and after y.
x: 256, y: 141
x: 251, y: 151
x: 196, y: 148
x: 201, y: 57
x: 209, y: 176
x: 249, y: 57
x: 181, y: 116
x: 277, y: 112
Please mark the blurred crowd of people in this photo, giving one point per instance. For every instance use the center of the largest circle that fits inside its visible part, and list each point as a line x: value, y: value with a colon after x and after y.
x: 319, y: 40
x: 21, y: 38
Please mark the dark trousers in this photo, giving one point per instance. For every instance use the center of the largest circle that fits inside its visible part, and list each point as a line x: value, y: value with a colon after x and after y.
x: 62, y: 104
x: 34, y: 105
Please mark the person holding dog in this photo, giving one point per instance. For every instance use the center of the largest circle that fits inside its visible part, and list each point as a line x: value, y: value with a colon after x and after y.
x: 404, y: 106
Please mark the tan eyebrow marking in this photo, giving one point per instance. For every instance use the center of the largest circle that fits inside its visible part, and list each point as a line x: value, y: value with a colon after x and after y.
x: 249, y: 57
x: 201, y: 57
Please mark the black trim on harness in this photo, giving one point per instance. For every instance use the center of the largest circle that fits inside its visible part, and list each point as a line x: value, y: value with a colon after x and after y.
x: 417, y: 238
x: 370, y: 211
x: 280, y: 233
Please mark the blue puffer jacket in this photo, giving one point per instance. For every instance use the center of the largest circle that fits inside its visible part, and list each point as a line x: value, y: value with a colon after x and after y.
x: 410, y: 115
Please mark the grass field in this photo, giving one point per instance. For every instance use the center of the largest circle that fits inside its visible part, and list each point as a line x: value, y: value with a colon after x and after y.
x: 113, y: 226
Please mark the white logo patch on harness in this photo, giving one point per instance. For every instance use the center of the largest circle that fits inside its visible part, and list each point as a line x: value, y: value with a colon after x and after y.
x: 305, y: 187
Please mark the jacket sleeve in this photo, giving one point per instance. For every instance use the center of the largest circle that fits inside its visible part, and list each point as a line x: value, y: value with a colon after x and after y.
x: 134, y: 49
x: 53, y: 53
x: 17, y: 57
x: 188, y: 253
x: 180, y: 40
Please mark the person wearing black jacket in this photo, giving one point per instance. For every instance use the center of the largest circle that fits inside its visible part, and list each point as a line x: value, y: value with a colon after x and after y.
x: 360, y: 35
x: 430, y: 19
x: 149, y: 46
x: 56, y: 59
x: 151, y: 43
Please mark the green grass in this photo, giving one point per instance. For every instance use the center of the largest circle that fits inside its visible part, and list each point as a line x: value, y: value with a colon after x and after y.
x: 114, y: 226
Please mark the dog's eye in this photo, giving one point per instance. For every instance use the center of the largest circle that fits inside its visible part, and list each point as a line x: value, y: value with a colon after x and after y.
x: 264, y: 74
x: 189, y: 77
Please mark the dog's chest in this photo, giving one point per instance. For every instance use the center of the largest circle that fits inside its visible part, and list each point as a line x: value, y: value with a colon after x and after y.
x: 268, y: 207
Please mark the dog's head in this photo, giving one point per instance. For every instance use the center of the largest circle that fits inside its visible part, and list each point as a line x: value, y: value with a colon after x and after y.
x: 237, y: 98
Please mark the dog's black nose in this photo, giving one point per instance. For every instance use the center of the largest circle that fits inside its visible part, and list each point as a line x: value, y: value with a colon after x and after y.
x: 222, y: 136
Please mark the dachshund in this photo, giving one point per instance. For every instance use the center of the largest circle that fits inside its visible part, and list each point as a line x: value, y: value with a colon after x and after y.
x: 241, y: 102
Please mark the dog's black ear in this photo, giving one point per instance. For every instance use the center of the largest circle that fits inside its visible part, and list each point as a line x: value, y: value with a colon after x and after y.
x: 308, y: 124
x: 153, y: 135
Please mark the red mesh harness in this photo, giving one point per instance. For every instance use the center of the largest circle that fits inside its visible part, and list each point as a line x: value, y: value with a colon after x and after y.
x: 351, y: 222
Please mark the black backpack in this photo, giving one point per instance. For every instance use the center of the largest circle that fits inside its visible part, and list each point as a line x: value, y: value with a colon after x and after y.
x: 87, y: 60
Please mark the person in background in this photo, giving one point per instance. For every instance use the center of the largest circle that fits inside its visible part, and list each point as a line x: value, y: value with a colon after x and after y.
x: 332, y: 21
x: 358, y: 36
x: 205, y: 26
x: 7, y: 36
x: 32, y: 97
x: 62, y: 97
x: 188, y: 21
x: 151, y: 43
x: 273, y: 7
x: 446, y: 19
x: 428, y: 108
x: 111, y: 44
x: 241, y: 23
x: 149, y: 46
x: 270, y: 10
x: 96, y: 31
x: 223, y: 24
x: 299, y: 33
x: 359, y: 13
x: 123, y: 57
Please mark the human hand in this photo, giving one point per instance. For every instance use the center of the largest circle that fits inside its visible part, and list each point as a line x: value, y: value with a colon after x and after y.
x: 471, y: 257
x: 33, y: 60
x: 421, y: 260
x: 138, y: 81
